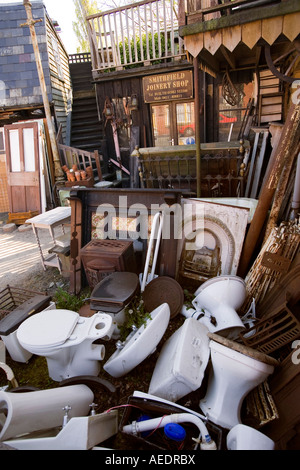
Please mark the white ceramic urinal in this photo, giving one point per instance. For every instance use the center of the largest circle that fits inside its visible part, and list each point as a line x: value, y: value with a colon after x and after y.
x: 180, y: 367
x: 140, y: 344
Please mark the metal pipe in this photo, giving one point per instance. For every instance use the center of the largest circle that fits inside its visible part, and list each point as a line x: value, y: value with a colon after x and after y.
x: 59, y: 175
x: 197, y: 125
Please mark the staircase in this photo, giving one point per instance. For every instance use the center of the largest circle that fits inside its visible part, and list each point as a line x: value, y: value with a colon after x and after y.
x: 87, y: 132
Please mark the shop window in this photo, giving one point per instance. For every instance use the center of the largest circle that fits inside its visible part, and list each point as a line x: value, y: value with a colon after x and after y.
x: 173, y: 124
x: 231, y: 114
x: 161, y: 125
x: 185, y: 123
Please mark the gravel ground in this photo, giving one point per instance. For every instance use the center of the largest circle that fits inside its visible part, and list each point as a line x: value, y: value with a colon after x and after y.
x: 20, y: 261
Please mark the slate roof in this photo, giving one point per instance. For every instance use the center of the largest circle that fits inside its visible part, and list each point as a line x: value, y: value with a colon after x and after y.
x: 19, y: 81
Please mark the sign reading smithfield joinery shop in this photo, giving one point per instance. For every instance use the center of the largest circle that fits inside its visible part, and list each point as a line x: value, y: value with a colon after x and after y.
x: 168, y: 86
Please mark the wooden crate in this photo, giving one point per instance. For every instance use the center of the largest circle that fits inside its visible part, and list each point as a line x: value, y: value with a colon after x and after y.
x: 89, y: 183
x: 20, y: 218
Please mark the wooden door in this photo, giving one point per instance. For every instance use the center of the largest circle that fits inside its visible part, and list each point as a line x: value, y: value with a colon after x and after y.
x: 22, y: 162
x: 173, y: 123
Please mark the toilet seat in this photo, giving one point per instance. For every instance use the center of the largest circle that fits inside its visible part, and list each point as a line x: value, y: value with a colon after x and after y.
x: 240, y: 348
x: 114, y: 292
x: 42, y: 330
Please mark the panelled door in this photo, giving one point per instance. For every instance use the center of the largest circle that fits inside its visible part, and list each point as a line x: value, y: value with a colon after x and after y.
x: 22, y: 164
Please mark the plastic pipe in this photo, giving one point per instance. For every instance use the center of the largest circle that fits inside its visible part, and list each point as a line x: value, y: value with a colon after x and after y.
x: 155, y: 423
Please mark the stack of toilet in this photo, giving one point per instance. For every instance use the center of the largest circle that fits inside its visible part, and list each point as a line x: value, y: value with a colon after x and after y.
x: 235, y: 369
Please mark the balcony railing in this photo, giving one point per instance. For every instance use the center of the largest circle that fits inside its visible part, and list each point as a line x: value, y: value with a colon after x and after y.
x: 211, y: 9
x: 139, y: 34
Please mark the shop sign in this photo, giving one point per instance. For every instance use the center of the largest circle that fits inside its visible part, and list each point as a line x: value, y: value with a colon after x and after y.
x: 168, y: 86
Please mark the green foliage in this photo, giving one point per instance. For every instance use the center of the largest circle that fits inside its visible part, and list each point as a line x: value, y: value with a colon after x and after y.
x: 67, y: 301
x: 135, y: 315
x: 188, y: 299
x: 141, y: 45
x: 83, y: 8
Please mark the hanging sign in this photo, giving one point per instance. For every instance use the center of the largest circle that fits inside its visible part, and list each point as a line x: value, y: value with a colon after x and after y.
x: 168, y: 86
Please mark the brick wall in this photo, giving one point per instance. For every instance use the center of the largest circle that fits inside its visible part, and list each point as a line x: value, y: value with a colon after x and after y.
x: 19, y: 82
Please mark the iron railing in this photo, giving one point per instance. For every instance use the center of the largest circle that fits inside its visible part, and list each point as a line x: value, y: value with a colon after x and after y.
x: 139, y: 34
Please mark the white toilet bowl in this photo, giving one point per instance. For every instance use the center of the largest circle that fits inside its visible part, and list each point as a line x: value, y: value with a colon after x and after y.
x: 66, y: 340
x: 235, y: 371
x: 218, y: 299
x: 242, y: 437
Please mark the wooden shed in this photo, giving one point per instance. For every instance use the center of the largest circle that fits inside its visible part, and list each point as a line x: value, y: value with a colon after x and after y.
x: 20, y: 91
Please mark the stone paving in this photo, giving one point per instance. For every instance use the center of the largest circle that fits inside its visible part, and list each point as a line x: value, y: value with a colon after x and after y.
x: 19, y: 253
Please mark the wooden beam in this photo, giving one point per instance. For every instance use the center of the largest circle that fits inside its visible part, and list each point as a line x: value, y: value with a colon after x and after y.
x: 229, y: 57
x: 243, y: 17
x: 210, y: 60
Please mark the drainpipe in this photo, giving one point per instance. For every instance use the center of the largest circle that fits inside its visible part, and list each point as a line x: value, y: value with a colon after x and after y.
x: 59, y: 176
x: 197, y: 124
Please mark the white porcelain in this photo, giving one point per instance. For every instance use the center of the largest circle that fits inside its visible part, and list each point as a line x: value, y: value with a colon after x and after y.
x: 27, y: 412
x: 13, y: 346
x: 139, y: 344
x: 2, y: 351
x: 180, y: 367
x: 242, y: 437
x: 249, y: 203
x: 80, y: 433
x: 66, y: 340
x: 219, y: 298
x: 232, y: 376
